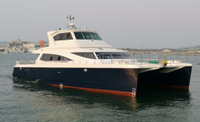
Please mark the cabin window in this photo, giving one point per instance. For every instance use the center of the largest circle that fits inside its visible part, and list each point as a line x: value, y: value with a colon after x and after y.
x: 66, y: 59
x: 52, y: 57
x: 58, y: 37
x: 87, y: 35
x: 117, y: 56
x: 86, y: 55
x: 113, y: 55
x: 79, y: 35
x: 96, y: 36
x: 63, y: 36
x: 67, y: 36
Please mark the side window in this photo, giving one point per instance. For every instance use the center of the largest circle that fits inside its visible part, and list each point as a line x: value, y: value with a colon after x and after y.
x: 88, y: 35
x: 46, y: 57
x: 86, y: 55
x: 51, y: 57
x: 89, y: 55
x: 104, y: 56
x: 55, y: 57
x: 58, y: 37
x: 107, y: 56
x: 59, y: 58
x: 96, y: 36
x: 63, y: 36
x: 113, y: 55
x: 66, y: 59
x: 79, y: 35
x: 117, y: 56
x: 67, y: 36
x: 100, y: 56
x: 42, y: 57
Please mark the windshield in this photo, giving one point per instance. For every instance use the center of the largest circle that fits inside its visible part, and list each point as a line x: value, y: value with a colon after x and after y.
x: 87, y: 35
x: 113, y: 55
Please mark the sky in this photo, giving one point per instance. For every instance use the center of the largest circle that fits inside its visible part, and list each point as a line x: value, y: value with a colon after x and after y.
x: 121, y: 23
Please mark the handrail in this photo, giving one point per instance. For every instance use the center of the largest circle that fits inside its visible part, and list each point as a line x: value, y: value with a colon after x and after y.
x: 96, y: 62
x: 141, y: 61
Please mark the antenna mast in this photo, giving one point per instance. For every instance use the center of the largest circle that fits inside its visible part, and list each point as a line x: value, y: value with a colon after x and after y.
x: 71, y: 25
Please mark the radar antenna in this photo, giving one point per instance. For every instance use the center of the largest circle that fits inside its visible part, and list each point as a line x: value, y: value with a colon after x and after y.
x: 71, y: 25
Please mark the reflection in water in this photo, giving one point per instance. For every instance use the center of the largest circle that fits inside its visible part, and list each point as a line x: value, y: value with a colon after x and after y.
x: 149, y: 97
x: 161, y: 96
x: 75, y: 96
x: 48, y: 103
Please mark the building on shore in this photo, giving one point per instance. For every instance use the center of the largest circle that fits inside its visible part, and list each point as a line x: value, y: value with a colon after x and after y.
x: 4, y: 44
x: 19, y: 46
x: 16, y: 43
x: 30, y: 47
x: 166, y: 51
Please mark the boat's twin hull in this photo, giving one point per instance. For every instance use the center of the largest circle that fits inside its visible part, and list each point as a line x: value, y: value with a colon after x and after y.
x: 110, y: 80
x: 176, y: 79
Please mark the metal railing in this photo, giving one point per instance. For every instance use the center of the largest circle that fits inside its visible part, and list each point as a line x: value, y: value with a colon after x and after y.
x: 96, y: 61
x: 171, y: 60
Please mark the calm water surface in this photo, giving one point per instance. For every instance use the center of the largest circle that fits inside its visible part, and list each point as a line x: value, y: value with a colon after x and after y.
x: 28, y: 101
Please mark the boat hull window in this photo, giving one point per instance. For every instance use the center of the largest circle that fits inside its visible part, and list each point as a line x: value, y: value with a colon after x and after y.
x: 87, y: 35
x: 52, y: 57
x: 86, y: 55
x: 113, y: 55
x: 63, y: 36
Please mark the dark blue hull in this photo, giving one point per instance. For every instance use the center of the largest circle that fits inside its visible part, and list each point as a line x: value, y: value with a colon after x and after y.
x: 117, y: 81
x: 176, y: 79
x: 109, y: 79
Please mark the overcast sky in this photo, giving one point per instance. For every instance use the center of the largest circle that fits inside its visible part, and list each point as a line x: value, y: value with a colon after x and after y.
x: 121, y: 23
